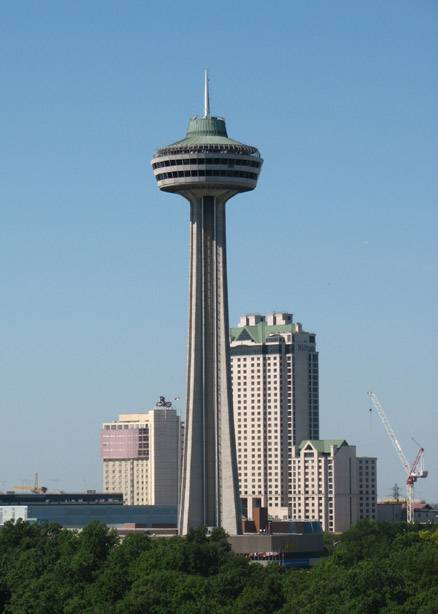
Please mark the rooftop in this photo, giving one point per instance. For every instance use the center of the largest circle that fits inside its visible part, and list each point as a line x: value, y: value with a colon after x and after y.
x: 258, y: 328
x: 260, y: 332
x: 61, y: 498
x: 324, y: 446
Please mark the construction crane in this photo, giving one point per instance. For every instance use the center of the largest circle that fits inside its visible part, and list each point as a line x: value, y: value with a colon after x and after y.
x: 36, y: 489
x: 414, y: 471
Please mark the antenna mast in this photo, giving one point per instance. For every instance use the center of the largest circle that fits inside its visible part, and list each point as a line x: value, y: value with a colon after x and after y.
x: 206, y: 95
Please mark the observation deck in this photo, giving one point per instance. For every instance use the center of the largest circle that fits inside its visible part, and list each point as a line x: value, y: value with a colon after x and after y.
x: 207, y: 160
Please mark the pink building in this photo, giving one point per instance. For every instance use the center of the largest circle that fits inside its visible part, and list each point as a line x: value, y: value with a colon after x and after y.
x: 124, y: 441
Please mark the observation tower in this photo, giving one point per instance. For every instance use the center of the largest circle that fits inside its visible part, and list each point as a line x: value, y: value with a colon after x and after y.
x: 208, y: 168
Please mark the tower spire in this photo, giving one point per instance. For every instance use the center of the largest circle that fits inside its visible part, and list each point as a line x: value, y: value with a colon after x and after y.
x: 206, y: 95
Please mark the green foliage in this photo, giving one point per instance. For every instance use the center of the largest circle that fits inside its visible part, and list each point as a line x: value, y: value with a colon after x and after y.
x: 45, y: 569
x: 374, y: 568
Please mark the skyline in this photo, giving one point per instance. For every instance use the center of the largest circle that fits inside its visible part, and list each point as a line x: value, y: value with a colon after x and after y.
x: 91, y: 327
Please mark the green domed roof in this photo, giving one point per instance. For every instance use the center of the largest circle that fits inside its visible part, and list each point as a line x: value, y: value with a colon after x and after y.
x: 207, y: 126
x: 206, y: 131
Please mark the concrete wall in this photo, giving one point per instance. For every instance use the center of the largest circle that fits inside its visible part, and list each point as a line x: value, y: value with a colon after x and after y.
x: 165, y: 437
x: 346, y: 487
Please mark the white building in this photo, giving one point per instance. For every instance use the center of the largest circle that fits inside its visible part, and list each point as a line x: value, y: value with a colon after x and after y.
x: 12, y: 512
x: 141, y: 456
x: 330, y: 484
x: 274, y: 366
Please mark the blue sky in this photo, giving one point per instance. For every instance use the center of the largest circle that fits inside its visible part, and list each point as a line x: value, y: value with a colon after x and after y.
x: 341, y: 100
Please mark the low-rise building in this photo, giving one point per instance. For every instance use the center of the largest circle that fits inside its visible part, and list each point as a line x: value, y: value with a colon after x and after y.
x: 75, y: 510
x: 90, y: 497
x: 12, y: 513
x: 395, y: 511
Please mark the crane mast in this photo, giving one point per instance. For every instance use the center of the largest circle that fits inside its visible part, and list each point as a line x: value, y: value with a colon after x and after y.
x: 414, y: 471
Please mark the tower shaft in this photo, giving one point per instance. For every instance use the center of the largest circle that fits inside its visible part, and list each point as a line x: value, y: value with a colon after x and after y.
x: 209, y: 493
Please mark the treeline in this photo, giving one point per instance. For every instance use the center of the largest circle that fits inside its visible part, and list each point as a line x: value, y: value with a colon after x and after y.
x: 372, y: 568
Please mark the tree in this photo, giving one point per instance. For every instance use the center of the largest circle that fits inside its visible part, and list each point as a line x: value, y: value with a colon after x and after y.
x: 45, y: 569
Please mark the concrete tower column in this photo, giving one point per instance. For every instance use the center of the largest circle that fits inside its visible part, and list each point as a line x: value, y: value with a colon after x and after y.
x: 209, y: 495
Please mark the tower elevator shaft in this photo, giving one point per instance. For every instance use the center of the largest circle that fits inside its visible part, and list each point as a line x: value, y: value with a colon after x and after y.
x: 208, y: 493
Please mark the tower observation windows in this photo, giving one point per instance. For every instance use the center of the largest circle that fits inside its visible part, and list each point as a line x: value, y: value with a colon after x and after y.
x: 208, y: 173
x: 230, y: 162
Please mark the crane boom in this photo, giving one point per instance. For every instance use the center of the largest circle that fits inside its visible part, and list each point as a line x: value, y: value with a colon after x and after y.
x: 413, y: 472
x: 390, y: 432
x: 36, y: 488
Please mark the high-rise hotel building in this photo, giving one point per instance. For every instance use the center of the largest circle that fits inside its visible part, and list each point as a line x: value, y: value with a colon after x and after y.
x: 274, y: 365
x: 141, y: 456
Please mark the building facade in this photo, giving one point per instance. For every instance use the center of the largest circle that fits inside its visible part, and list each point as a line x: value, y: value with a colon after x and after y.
x: 330, y: 484
x: 275, y: 379
x: 141, y: 456
x: 367, y: 471
x: 13, y: 513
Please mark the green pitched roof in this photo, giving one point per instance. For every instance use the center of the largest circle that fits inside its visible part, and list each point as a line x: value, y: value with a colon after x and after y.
x: 323, y: 445
x: 259, y: 332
